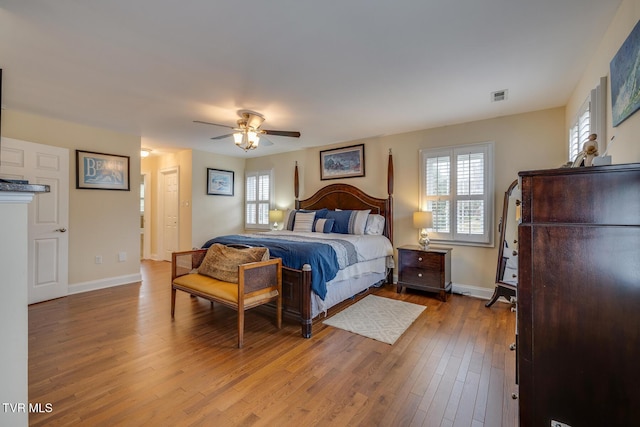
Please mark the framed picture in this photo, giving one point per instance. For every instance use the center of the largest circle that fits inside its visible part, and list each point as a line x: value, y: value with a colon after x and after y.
x: 625, y: 79
x: 99, y: 171
x: 219, y: 182
x: 346, y: 162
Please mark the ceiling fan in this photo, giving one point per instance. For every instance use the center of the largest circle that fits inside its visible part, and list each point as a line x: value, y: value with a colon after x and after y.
x: 247, y: 133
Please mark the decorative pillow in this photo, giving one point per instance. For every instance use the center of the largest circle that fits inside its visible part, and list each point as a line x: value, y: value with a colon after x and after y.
x: 375, y: 225
x: 304, y: 221
x: 349, y: 221
x: 221, y: 262
x: 358, y: 221
x: 341, y: 221
x: 289, y: 216
x: 323, y: 225
x: 320, y: 213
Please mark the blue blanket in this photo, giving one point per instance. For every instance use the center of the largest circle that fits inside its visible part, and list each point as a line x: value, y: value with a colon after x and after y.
x: 320, y: 256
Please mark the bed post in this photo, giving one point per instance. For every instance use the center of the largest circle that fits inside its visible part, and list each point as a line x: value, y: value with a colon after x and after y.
x: 390, y: 193
x: 296, y: 186
x: 303, y: 283
x: 390, y: 208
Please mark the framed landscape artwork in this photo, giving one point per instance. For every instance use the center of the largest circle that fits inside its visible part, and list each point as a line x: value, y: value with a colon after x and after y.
x: 346, y: 162
x: 625, y: 78
x: 99, y: 171
x: 219, y: 182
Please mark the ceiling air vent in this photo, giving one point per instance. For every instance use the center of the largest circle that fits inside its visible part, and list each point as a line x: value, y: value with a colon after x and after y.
x: 500, y: 95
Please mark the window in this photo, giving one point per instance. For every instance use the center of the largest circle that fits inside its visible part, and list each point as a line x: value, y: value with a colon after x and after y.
x: 258, y: 199
x: 457, y: 186
x: 589, y: 119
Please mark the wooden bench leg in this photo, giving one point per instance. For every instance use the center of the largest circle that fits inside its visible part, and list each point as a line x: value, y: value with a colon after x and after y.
x: 240, y: 326
x: 173, y: 302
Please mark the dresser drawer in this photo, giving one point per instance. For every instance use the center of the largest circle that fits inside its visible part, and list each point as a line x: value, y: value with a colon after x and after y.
x: 419, y: 259
x: 420, y: 277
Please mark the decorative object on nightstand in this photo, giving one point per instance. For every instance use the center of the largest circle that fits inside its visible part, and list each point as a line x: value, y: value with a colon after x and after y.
x: 275, y: 216
x: 425, y: 269
x: 423, y: 220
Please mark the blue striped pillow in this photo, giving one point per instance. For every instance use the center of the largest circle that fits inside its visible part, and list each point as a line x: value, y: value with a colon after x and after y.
x: 323, y: 225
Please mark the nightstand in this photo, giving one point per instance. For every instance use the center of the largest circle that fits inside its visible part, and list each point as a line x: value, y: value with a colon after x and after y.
x: 425, y: 269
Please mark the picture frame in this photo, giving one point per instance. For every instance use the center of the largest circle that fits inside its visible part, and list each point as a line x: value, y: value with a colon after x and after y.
x: 101, y: 171
x: 625, y: 82
x: 345, y: 162
x: 220, y: 182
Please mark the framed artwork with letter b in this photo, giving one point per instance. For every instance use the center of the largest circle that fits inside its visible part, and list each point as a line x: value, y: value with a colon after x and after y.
x: 99, y: 171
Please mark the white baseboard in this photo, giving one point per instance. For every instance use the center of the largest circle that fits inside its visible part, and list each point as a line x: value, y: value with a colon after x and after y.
x: 472, y: 291
x: 93, y: 285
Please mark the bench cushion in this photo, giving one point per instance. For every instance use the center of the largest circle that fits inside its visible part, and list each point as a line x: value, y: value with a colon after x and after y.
x: 218, y: 289
x: 221, y: 262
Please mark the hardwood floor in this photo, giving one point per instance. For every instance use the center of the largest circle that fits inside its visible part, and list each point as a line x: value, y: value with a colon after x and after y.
x: 115, y: 357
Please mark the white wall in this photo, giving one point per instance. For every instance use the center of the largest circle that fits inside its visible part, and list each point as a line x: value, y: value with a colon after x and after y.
x: 13, y: 309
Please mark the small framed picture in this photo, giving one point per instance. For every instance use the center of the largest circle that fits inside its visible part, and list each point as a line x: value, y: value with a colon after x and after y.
x: 100, y: 171
x: 346, y: 162
x: 219, y: 182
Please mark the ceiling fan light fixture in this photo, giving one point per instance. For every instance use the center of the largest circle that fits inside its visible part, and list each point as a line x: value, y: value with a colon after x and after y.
x: 246, y: 139
x: 253, y: 138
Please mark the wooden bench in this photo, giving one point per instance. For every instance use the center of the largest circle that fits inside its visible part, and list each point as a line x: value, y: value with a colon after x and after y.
x: 258, y: 283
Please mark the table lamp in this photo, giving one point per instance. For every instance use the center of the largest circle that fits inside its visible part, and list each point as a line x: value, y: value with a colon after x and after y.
x: 423, y: 220
x: 275, y: 216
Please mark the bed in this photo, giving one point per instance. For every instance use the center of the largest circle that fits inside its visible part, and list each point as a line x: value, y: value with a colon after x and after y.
x: 306, y: 295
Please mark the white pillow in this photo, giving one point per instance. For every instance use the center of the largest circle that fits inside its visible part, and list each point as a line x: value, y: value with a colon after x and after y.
x: 304, y: 221
x: 358, y: 221
x: 375, y: 225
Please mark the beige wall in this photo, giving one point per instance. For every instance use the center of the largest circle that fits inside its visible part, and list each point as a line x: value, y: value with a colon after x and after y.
x: 202, y: 216
x: 154, y: 166
x: 215, y: 215
x: 626, y: 148
x: 525, y: 141
x: 100, y: 222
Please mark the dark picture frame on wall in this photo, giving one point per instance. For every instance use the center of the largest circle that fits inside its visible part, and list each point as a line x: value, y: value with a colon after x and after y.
x: 220, y: 182
x: 345, y: 162
x: 100, y: 171
x: 625, y: 78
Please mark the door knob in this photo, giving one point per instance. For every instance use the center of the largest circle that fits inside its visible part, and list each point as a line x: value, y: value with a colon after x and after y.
x: 62, y: 230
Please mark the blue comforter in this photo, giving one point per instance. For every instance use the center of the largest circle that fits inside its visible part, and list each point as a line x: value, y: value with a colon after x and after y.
x: 320, y: 256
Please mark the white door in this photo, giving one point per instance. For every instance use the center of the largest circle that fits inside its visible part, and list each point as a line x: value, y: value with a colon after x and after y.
x: 169, y: 200
x: 145, y: 214
x: 48, y: 266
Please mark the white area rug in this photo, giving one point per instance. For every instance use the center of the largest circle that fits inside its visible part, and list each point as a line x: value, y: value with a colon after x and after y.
x: 382, y: 319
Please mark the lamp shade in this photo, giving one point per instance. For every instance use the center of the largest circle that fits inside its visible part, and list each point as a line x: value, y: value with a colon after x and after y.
x: 276, y: 215
x: 423, y: 219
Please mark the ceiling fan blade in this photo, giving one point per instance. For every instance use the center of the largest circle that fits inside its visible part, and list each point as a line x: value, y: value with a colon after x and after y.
x: 222, y: 136
x: 264, y: 141
x: 282, y: 133
x: 214, y: 124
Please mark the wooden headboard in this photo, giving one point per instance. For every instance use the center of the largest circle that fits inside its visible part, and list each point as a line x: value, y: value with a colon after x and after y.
x: 345, y: 196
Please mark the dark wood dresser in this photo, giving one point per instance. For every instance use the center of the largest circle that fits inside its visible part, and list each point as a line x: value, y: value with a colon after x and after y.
x: 578, y: 307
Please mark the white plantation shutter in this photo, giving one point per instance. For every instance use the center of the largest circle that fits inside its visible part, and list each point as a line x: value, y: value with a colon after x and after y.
x: 438, y: 190
x: 258, y: 199
x: 457, y: 187
x: 590, y: 118
x: 580, y: 131
x: 470, y: 191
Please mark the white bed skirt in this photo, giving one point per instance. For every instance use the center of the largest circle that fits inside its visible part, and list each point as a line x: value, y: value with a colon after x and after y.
x: 348, y: 283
